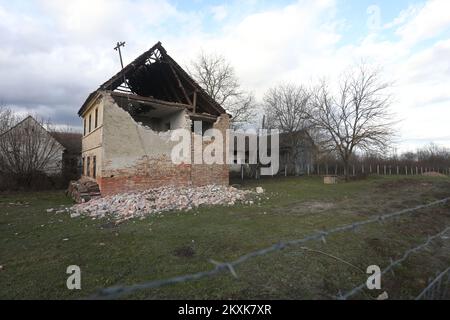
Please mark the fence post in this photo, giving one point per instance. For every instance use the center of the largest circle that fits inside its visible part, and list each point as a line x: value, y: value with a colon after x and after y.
x: 242, y: 172
x: 378, y: 169
x: 384, y: 169
x: 406, y: 170
x: 309, y: 171
x: 354, y: 174
x: 285, y: 170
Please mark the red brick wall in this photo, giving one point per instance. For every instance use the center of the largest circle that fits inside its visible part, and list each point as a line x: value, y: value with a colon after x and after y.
x: 153, y: 173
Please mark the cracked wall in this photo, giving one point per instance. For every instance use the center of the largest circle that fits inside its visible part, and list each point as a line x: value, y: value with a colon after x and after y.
x: 133, y: 157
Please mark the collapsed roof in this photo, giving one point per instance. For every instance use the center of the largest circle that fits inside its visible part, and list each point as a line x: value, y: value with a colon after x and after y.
x: 155, y: 75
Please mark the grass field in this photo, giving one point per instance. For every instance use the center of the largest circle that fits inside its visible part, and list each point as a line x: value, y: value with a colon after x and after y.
x: 36, y: 247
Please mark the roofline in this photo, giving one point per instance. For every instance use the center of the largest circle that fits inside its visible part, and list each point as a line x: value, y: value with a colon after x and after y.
x: 118, y: 77
x: 92, y: 97
x: 148, y: 99
x: 32, y: 118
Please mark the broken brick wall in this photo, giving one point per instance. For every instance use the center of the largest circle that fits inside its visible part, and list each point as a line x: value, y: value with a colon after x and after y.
x: 135, y: 157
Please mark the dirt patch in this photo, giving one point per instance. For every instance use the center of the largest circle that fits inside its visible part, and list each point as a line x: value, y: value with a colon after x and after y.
x: 379, y: 246
x: 309, y: 207
x: 434, y: 174
x: 403, y: 183
x: 184, y: 252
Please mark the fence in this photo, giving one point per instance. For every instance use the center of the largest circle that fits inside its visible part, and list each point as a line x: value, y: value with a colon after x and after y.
x: 374, y: 169
x: 396, y: 263
x: 220, y: 267
x: 253, y: 172
x: 439, y: 288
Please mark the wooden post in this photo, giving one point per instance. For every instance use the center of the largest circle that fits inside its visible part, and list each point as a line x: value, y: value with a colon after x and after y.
x: 354, y: 170
x: 242, y: 172
x: 378, y: 169
x: 384, y: 169
x: 285, y: 170
x: 309, y: 170
x: 406, y: 170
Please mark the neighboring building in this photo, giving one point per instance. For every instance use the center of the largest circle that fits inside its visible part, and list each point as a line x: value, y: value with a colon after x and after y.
x: 297, y: 152
x: 128, y: 121
x: 71, y: 159
x: 28, y: 149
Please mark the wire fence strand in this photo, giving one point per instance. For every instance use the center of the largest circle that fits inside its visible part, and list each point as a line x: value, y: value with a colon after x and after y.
x: 438, y: 288
x: 396, y: 263
x: 119, y: 291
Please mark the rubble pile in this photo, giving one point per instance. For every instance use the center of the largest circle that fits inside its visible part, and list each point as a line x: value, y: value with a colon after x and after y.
x: 140, y: 204
x: 83, y: 190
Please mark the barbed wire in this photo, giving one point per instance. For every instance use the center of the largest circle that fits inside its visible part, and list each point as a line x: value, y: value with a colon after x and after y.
x: 394, y: 264
x: 433, y: 284
x: 118, y: 291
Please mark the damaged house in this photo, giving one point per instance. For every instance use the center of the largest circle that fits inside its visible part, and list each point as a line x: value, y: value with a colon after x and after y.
x: 128, y: 121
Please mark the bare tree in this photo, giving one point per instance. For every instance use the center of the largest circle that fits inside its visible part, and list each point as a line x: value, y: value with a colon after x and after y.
x: 287, y: 108
x: 27, y: 148
x: 219, y: 80
x: 434, y: 156
x: 357, y: 117
x: 7, y: 119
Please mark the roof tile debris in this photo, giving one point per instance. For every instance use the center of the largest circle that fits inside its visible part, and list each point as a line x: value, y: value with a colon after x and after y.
x: 127, y: 206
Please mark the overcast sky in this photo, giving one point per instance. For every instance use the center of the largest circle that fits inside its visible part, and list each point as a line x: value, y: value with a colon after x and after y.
x: 54, y: 53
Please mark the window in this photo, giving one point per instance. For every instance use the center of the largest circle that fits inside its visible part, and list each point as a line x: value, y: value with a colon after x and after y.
x: 84, y: 126
x: 88, y: 167
x: 96, y: 118
x: 167, y: 126
x: 83, y: 164
x: 90, y: 122
x: 94, y: 167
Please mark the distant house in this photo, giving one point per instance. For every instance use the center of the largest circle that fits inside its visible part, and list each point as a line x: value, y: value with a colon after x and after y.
x: 29, y: 147
x: 28, y: 151
x: 72, y: 164
x: 297, y: 152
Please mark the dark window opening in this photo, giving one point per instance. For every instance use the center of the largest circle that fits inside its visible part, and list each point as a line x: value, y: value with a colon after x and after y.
x: 205, y: 126
x: 167, y: 126
x: 88, y: 167
x: 83, y: 164
x: 96, y: 118
x: 94, y: 167
x: 84, y: 127
x: 90, y: 123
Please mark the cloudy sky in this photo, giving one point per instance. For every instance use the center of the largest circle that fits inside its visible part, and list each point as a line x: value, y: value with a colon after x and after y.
x: 54, y: 53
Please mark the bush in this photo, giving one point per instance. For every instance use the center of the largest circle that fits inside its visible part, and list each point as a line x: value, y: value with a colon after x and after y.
x: 37, y: 181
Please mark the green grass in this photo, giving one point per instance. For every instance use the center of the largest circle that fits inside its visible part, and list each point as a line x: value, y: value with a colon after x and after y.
x: 36, y: 247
